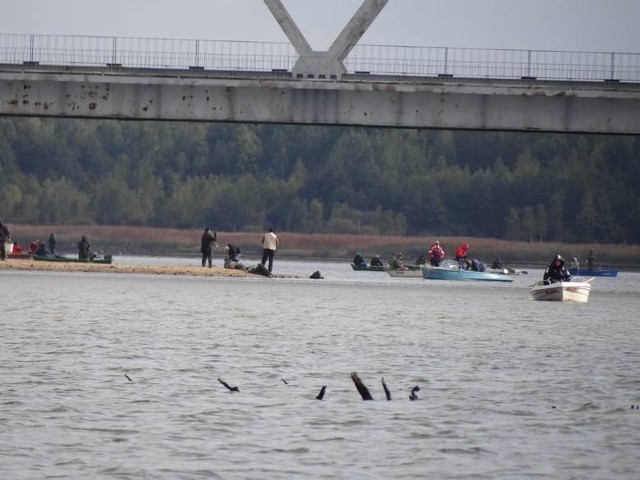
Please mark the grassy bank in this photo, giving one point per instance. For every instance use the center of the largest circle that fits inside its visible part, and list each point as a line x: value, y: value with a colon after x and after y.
x: 170, y: 242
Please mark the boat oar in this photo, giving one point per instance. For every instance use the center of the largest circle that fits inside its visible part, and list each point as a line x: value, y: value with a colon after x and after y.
x: 589, y: 280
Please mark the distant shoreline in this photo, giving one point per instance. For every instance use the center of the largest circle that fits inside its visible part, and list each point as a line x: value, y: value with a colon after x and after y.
x: 166, y: 242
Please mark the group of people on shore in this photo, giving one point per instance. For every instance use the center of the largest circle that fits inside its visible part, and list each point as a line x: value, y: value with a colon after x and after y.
x: 209, y: 242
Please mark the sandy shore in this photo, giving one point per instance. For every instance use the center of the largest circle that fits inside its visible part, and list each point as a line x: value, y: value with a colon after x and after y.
x: 32, y: 265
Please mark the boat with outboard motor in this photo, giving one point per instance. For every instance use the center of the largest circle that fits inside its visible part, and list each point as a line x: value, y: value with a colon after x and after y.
x: 450, y: 270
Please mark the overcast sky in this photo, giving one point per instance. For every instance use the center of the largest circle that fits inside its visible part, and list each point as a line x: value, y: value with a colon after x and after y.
x: 584, y: 25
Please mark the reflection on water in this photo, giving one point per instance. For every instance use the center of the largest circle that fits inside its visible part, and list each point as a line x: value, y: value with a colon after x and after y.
x: 509, y: 387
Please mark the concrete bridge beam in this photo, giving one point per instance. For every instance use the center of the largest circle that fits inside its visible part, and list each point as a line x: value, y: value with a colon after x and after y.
x: 454, y: 104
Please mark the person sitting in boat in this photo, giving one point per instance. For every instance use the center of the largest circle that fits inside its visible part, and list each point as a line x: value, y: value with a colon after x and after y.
x: 421, y: 260
x: 41, y: 249
x: 397, y: 261
x: 497, y: 263
x: 461, y: 254
x: 358, y: 260
x: 556, y: 271
x: 83, y: 248
x: 477, y: 265
x: 436, y: 254
x: 33, y: 246
x: 376, y: 262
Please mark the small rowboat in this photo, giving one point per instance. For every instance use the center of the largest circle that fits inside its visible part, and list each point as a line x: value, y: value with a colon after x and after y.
x: 384, y: 268
x: 405, y: 273
x: 105, y: 259
x: 593, y: 273
x: 561, y: 291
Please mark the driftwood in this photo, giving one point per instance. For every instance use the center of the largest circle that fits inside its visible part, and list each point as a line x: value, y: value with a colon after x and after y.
x: 128, y: 377
x: 284, y: 381
x: 386, y: 389
x: 229, y: 387
x: 320, y: 396
x: 362, y: 389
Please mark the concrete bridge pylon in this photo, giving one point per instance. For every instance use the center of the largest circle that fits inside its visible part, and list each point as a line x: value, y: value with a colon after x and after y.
x: 325, y: 64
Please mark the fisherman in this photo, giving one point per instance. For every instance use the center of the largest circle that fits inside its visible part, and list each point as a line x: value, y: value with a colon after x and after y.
x: 556, y: 271
x: 358, y: 260
x: 436, y: 254
x: 376, y: 262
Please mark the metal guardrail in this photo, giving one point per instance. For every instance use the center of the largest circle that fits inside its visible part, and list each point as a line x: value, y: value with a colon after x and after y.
x: 156, y: 53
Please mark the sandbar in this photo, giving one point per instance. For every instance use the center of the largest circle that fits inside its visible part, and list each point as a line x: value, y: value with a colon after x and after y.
x: 35, y: 265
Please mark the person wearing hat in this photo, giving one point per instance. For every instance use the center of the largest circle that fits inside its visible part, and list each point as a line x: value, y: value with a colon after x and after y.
x: 376, y: 262
x: 436, y: 254
x: 556, y: 271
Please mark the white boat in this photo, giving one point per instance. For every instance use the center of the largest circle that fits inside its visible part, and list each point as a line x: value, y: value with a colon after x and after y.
x: 561, y: 291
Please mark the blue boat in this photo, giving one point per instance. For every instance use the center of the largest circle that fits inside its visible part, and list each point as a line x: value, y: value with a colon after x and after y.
x: 450, y: 270
x: 592, y: 273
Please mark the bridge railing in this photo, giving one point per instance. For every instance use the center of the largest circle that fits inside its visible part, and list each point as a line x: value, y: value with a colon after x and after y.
x: 155, y: 53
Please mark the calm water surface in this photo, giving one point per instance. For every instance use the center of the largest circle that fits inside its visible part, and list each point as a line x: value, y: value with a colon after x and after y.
x: 510, y: 388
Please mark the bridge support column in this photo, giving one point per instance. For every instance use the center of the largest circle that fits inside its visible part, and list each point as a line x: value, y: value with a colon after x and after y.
x: 325, y: 64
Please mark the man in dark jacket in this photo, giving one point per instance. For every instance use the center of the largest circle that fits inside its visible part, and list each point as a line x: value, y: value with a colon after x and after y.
x: 234, y: 252
x: 4, y: 237
x: 556, y: 271
x: 207, y: 242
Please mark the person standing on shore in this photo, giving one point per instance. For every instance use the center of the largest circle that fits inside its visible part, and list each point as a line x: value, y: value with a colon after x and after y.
x: 4, y: 238
x: 52, y: 244
x: 83, y: 248
x: 207, y: 241
x: 269, y: 245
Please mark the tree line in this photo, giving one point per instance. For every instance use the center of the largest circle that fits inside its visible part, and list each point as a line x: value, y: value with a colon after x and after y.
x: 320, y: 179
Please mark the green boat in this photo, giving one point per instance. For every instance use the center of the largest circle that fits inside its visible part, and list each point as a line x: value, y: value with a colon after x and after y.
x: 101, y: 259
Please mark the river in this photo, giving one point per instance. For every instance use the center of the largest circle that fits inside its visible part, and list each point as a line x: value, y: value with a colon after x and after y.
x: 116, y: 376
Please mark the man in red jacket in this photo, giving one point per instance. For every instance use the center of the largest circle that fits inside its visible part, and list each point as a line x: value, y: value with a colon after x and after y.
x: 461, y: 254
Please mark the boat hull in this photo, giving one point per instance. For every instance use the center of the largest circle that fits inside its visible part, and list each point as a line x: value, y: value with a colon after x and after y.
x: 107, y: 259
x: 405, y: 273
x: 384, y: 268
x: 452, y: 272
x: 561, y: 292
x: 593, y: 273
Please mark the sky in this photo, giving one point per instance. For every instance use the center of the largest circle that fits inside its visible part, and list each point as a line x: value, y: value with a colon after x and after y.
x: 577, y: 25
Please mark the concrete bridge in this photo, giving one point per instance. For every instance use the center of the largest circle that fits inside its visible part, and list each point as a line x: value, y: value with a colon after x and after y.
x: 349, y: 84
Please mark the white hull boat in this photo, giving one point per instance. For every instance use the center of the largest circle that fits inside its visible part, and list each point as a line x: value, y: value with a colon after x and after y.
x: 561, y: 292
x: 397, y: 272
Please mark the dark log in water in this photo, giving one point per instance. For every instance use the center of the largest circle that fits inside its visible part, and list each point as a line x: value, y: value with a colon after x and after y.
x: 229, y: 387
x: 362, y: 389
x: 386, y: 390
x: 320, y: 396
x: 128, y: 377
x: 285, y: 382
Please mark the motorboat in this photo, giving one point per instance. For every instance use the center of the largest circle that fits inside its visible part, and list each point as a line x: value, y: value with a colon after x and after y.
x: 450, y: 270
x: 561, y: 291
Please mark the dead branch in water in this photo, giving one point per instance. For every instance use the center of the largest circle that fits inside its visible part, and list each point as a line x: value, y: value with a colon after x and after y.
x: 320, y: 396
x: 229, y: 387
x: 386, y: 390
x: 362, y: 389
